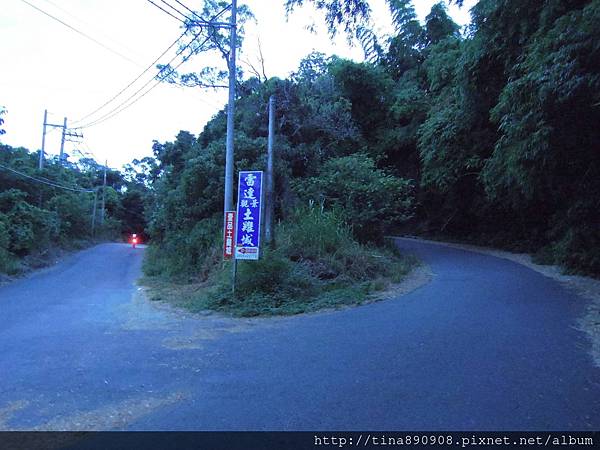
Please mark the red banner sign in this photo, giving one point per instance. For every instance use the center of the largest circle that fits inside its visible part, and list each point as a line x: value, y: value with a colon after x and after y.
x: 228, y: 235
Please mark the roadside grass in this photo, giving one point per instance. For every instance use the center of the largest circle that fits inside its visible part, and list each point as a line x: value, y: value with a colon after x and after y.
x: 315, y: 265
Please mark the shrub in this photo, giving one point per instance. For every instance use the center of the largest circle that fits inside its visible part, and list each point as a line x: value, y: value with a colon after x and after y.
x: 312, y: 232
x: 109, y: 230
x: 8, y: 264
x: 29, y: 227
x: 368, y: 198
x: 73, y: 212
x: 183, y: 254
x: 317, y: 264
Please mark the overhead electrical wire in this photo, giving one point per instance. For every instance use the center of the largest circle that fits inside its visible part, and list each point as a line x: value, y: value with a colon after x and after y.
x: 89, y: 152
x: 130, y: 84
x: 86, y: 25
x: 166, y: 12
x: 204, y: 22
x: 87, y: 36
x: 85, y: 153
x: 121, y: 107
x: 176, y: 10
x: 199, y: 16
x: 47, y: 182
x: 124, y: 105
x: 193, y: 12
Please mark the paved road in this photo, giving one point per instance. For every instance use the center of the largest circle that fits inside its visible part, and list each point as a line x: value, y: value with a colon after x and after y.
x: 487, y: 344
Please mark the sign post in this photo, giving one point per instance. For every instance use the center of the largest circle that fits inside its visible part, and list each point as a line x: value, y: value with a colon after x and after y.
x: 229, y: 235
x: 247, y: 238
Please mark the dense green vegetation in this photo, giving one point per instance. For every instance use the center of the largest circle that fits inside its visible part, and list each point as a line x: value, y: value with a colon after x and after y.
x: 487, y: 135
x: 317, y: 264
x: 496, y: 126
x: 316, y: 261
x: 484, y: 136
x: 42, y: 211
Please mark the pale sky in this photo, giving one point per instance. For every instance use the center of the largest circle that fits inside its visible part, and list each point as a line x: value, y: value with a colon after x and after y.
x: 46, y: 65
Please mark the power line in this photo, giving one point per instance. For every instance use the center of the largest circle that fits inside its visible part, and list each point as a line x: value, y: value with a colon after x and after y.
x: 89, y: 152
x: 176, y: 10
x: 136, y: 79
x: 199, y: 16
x: 49, y: 183
x: 194, y: 13
x: 201, y: 20
x: 123, y: 106
x: 202, y: 100
x: 94, y: 122
x: 81, y: 33
x: 87, y: 25
x: 166, y: 12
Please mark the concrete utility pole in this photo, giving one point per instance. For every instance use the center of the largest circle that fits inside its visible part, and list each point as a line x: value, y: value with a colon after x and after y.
x: 94, y: 212
x: 65, y: 134
x: 41, y: 163
x: 62, y: 142
x: 270, y: 194
x: 103, y: 194
x: 228, y: 203
x: 229, y: 154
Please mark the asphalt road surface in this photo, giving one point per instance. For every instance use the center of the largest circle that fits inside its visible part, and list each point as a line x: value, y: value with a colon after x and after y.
x: 487, y: 344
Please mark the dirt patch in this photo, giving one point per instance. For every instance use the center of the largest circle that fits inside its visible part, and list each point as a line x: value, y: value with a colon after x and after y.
x: 586, y: 287
x: 419, y: 276
x: 141, y: 314
x: 185, y: 330
x: 198, y: 338
x: 110, y: 417
x: 6, y: 412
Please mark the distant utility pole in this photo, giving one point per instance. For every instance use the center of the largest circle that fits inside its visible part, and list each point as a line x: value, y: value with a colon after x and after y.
x: 62, y: 142
x: 41, y: 163
x: 65, y: 134
x: 103, y: 194
x: 270, y: 194
x: 94, y: 212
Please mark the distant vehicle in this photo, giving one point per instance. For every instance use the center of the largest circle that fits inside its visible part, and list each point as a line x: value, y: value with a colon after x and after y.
x: 134, y: 240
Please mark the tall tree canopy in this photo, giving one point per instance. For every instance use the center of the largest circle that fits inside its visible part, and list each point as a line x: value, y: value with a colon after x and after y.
x: 487, y: 135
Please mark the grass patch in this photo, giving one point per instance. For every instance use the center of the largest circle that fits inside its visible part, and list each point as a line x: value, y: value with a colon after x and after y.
x: 316, y: 265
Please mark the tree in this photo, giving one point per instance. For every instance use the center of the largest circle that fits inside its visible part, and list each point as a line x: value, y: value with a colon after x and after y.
x: 206, y: 38
x: 368, y: 89
x: 369, y: 199
x: 488, y: 136
x: 348, y: 14
x: 546, y: 115
x: 438, y: 25
x: 40, y: 210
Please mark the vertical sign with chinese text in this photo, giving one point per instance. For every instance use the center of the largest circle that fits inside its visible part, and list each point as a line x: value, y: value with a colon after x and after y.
x: 229, y: 234
x: 248, y: 215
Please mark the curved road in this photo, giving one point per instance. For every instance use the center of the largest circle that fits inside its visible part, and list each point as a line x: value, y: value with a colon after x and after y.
x: 487, y: 344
